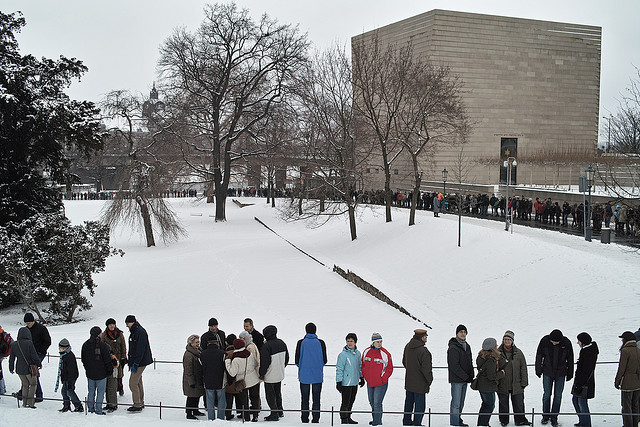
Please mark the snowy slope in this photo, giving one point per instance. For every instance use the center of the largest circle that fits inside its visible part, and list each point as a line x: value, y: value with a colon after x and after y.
x: 531, y: 281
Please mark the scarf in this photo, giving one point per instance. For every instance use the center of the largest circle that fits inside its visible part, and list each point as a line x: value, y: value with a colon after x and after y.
x: 112, y: 334
x: 60, y: 367
x: 463, y: 343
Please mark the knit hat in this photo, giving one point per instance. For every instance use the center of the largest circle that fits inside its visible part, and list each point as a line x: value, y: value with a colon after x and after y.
x: 95, y: 331
x: 556, y: 335
x: 510, y: 335
x: 238, y: 344
x: 489, y: 344
x: 130, y: 319
x: 110, y: 321
x: 213, y: 322
x: 419, y: 333
x: 584, y: 338
x: 64, y: 343
x: 376, y: 337
x: 628, y: 336
x: 461, y: 328
x: 28, y: 317
x: 310, y: 328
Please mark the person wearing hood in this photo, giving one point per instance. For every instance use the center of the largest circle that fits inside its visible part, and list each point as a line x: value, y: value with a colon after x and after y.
x: 348, y: 377
x: 23, y: 354
x: 68, y: 375
x: 192, y: 377
x: 627, y: 379
x: 41, y: 341
x: 554, y: 363
x: 460, y: 368
x: 490, y: 365
x: 242, y: 365
x: 311, y: 356
x: 416, y: 359
x: 516, y: 379
x: 377, y: 367
x: 254, y: 392
x: 114, y: 338
x: 138, y: 358
x: 98, y: 365
x: 584, y: 381
x: 274, y: 357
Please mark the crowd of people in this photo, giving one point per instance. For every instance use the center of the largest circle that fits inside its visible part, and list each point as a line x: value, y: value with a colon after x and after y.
x: 222, y: 369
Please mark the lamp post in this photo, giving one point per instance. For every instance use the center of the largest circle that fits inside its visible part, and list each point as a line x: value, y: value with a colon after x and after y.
x: 445, y: 172
x: 589, y: 173
x: 511, y: 161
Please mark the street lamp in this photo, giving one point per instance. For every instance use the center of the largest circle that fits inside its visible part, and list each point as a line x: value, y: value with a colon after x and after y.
x: 511, y: 161
x: 445, y: 172
x: 589, y: 172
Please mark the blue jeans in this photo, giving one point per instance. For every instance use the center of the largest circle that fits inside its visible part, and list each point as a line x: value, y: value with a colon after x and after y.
x: 94, y: 403
x: 69, y: 395
x: 488, y: 403
x: 458, y: 393
x: 582, y: 409
x: 376, y: 396
x: 420, y: 402
x: 315, y: 390
x: 550, y: 410
x: 221, y: 396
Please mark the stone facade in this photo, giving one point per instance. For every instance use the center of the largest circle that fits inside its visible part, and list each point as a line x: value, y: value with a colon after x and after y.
x: 531, y: 87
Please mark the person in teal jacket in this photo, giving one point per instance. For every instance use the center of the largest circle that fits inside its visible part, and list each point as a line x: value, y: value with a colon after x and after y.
x: 348, y: 377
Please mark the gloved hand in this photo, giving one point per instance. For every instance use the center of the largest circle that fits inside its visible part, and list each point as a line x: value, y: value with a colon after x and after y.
x: 123, y: 361
x: 339, y: 386
x: 614, y: 384
x: 134, y: 368
x: 539, y: 375
x: 361, y: 383
x: 114, y: 362
x: 10, y: 371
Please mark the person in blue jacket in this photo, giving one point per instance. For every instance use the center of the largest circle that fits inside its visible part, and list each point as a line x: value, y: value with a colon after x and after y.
x: 138, y: 357
x: 311, y: 356
x: 348, y: 377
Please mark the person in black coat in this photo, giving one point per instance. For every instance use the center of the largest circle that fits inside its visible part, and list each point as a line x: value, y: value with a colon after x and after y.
x: 97, y: 362
x: 23, y: 354
x: 460, y: 367
x: 41, y: 341
x: 257, y: 337
x: 584, y: 382
x: 213, y: 335
x: 138, y: 358
x: 68, y: 369
x: 213, y: 371
x: 554, y: 362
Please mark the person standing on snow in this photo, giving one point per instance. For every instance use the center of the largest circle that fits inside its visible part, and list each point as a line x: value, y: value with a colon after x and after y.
x: 97, y: 362
x: 311, y: 356
x: 114, y: 338
x: 377, y: 367
x: 139, y: 357
x: 416, y: 359
x: 627, y: 379
x: 41, y: 341
x: 23, y: 355
x: 274, y: 357
x: 213, y: 334
x: 516, y: 379
x: 348, y: 377
x: 584, y: 382
x: 460, y: 368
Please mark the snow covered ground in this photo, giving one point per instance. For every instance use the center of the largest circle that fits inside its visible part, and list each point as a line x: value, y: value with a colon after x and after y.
x: 531, y: 281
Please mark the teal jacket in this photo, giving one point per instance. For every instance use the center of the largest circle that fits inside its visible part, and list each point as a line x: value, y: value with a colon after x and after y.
x: 348, y: 367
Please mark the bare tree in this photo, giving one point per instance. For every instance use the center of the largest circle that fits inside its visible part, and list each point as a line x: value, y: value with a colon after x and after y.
x: 461, y: 169
x: 139, y: 201
x: 625, y: 125
x: 223, y: 79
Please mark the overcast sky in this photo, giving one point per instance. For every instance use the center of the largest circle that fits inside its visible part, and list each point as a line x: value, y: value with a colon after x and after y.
x: 118, y: 39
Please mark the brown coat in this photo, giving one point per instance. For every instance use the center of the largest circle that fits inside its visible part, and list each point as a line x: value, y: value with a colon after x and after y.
x: 628, y: 375
x: 192, y: 377
x: 118, y: 348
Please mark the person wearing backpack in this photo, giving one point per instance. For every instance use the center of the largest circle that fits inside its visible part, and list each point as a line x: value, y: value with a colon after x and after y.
x: 5, y: 351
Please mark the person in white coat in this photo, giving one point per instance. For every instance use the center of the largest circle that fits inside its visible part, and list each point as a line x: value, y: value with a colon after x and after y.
x: 242, y: 365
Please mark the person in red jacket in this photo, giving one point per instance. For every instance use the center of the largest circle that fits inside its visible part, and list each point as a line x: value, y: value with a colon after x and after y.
x: 377, y: 367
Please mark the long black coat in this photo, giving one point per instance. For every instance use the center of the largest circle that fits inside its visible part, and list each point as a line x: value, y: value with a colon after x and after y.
x: 554, y: 361
x: 585, y: 370
x: 460, y: 362
x: 40, y: 337
x: 213, y: 367
x: 96, y: 358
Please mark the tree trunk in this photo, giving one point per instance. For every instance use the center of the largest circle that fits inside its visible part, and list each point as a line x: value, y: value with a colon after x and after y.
x: 387, y: 201
x: 459, y: 217
x: 414, y: 200
x: 322, y: 208
x: 146, y: 221
x: 352, y: 222
x: 221, y: 200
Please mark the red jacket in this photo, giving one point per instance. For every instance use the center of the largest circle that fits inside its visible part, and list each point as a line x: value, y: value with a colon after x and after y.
x: 377, y: 366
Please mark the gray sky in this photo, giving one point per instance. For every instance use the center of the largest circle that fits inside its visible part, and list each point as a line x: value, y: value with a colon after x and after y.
x: 118, y: 40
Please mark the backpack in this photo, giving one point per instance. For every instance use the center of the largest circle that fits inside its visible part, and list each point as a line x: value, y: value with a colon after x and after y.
x: 5, y: 344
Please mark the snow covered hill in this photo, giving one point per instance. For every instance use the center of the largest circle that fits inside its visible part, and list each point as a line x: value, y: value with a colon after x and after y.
x: 531, y: 281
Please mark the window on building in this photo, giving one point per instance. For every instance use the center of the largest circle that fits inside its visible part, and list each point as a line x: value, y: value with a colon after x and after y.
x: 395, y: 171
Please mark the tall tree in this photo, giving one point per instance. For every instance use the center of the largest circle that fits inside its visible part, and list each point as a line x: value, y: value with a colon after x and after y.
x: 38, y: 123
x: 223, y: 79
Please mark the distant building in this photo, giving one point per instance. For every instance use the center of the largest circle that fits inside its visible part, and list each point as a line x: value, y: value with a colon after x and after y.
x: 531, y: 89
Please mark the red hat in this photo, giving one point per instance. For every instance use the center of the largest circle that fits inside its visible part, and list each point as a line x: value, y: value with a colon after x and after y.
x: 238, y: 344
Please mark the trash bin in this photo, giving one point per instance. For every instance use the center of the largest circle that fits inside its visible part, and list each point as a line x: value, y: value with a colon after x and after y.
x: 605, y: 235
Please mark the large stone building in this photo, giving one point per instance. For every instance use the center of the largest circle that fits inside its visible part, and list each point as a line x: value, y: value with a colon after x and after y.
x: 531, y: 91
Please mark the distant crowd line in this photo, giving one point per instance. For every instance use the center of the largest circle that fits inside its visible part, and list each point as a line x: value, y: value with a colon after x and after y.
x: 221, y: 369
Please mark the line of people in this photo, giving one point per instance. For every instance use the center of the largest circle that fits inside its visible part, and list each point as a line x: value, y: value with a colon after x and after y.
x: 222, y: 369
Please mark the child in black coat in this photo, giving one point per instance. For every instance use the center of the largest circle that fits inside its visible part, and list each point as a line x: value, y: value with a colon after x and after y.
x: 68, y: 374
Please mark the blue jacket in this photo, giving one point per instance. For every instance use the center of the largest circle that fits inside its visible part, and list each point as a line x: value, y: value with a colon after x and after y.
x: 311, y: 356
x: 139, y: 348
x: 348, y: 367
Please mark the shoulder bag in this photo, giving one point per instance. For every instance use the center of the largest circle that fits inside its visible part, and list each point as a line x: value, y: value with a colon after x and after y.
x: 33, y: 369
x: 235, y: 387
